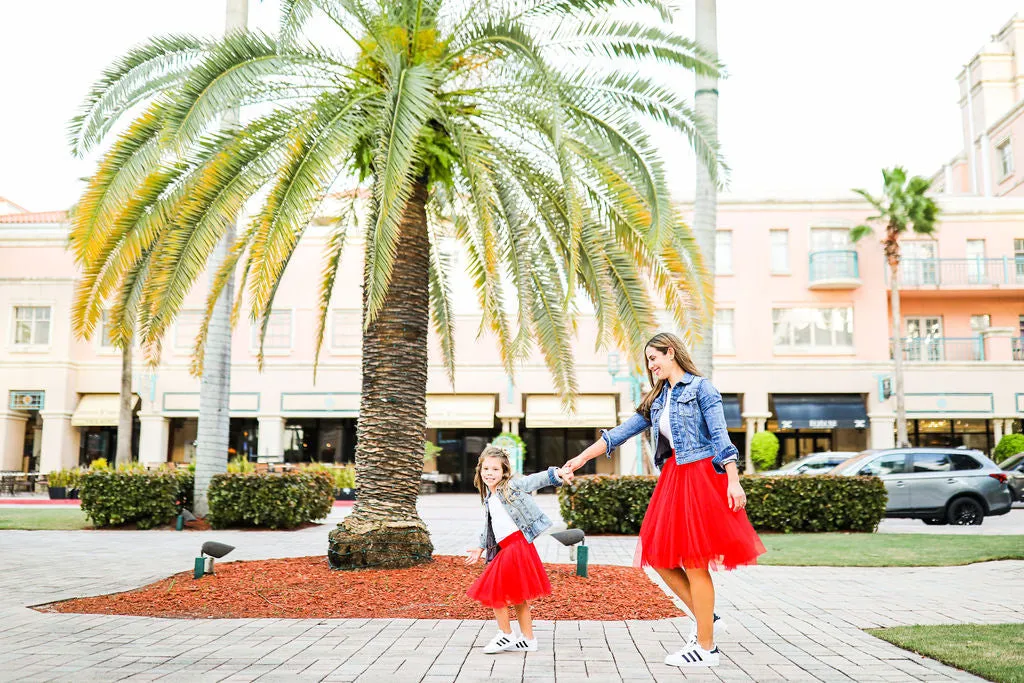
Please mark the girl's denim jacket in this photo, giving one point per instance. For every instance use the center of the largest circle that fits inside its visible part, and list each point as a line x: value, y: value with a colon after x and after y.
x: 521, y: 507
x: 697, y: 420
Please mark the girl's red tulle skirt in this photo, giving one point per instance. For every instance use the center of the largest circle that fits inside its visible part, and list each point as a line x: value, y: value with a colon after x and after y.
x: 514, y: 576
x: 689, y: 524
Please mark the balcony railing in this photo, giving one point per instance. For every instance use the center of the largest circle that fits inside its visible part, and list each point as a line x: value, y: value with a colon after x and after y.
x: 834, y: 268
x: 941, y: 349
x: 962, y: 272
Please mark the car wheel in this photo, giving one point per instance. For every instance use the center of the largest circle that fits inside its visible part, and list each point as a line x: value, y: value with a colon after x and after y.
x: 966, y: 512
x: 935, y: 521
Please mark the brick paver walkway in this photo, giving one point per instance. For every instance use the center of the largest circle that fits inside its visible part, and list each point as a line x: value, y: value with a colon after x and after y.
x: 800, y: 624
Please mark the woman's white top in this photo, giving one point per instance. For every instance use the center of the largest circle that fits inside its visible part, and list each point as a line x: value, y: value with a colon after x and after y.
x: 665, y: 427
x: 501, y: 523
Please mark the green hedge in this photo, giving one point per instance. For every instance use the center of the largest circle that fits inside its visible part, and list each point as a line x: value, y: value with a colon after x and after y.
x: 606, y: 504
x: 1010, y: 444
x: 269, y: 500
x: 110, y: 497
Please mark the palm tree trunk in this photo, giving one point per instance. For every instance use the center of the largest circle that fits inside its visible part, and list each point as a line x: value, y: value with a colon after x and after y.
x: 384, y: 529
x: 892, y: 255
x: 215, y: 387
x: 123, y: 454
x: 901, y: 407
x: 705, y: 205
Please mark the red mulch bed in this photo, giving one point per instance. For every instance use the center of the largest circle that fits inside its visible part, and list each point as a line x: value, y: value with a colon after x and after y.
x: 306, y: 588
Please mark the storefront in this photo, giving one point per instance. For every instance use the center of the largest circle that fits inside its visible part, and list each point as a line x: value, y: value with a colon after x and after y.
x: 461, y: 425
x: 329, y: 440
x: 96, y: 418
x: 554, y: 435
x: 951, y: 433
x: 814, y: 423
x: 734, y: 423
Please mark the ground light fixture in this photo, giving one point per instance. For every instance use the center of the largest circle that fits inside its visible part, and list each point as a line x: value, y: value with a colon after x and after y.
x: 204, y: 564
x: 185, y: 516
x: 570, y: 538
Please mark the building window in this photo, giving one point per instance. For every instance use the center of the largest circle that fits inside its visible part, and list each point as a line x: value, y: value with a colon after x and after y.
x: 830, y: 239
x: 279, y: 332
x: 780, y: 251
x: 346, y: 328
x: 1018, y: 260
x: 723, y: 252
x: 976, y: 271
x: 813, y: 329
x: 724, y: 341
x: 980, y: 323
x: 186, y: 329
x: 106, y: 325
x: 31, y: 325
x: 1005, y: 153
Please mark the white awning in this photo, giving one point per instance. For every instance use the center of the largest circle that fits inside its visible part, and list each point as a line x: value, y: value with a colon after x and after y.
x: 591, y: 411
x: 460, y: 411
x: 98, y: 410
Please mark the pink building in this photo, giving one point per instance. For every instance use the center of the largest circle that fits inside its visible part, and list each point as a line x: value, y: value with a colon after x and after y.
x: 802, y: 336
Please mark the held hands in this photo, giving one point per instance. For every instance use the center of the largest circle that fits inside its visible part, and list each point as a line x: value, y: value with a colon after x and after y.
x: 737, y: 498
x: 565, y: 474
x: 474, y: 555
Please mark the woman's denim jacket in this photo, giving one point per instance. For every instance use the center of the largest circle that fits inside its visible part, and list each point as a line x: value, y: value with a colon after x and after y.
x: 521, y: 507
x: 697, y: 420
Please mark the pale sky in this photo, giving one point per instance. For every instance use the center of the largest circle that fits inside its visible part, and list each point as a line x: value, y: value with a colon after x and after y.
x: 820, y: 96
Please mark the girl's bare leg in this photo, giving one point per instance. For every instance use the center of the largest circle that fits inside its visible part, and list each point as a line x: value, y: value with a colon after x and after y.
x: 525, y: 620
x: 702, y: 589
x: 501, y: 616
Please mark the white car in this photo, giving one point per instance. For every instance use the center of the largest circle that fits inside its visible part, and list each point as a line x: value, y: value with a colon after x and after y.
x: 815, y: 463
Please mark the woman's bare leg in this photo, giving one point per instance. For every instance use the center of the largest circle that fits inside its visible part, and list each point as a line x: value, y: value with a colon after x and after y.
x: 677, y: 580
x: 702, y: 589
x: 525, y: 620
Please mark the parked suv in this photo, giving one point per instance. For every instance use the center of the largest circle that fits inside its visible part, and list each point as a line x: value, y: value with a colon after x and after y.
x: 1014, y: 468
x: 938, y: 485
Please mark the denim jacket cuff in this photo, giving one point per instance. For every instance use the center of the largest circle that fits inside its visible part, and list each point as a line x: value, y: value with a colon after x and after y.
x: 555, y: 479
x: 607, y: 443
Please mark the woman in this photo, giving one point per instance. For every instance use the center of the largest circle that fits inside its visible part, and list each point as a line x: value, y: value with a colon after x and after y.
x: 696, y: 519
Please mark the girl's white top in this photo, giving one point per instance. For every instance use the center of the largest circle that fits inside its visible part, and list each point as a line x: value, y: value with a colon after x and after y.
x: 665, y: 427
x: 501, y: 522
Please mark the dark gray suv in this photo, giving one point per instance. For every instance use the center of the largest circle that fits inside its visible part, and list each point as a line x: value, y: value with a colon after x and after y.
x: 938, y: 485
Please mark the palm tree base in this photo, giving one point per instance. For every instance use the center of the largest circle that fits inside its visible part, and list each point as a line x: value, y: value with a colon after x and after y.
x: 356, y: 544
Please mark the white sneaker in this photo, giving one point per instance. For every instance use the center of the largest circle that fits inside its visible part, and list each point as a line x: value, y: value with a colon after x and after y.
x: 523, y: 645
x: 500, y: 643
x: 720, y: 627
x: 693, y: 656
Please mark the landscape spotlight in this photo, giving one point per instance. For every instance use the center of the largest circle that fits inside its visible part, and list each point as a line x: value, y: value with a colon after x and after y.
x: 570, y: 537
x: 203, y: 564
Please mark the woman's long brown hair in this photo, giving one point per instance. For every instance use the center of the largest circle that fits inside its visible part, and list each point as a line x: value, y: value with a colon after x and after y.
x: 663, y: 341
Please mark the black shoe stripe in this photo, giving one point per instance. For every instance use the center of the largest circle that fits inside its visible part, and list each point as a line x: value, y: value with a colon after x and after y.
x: 696, y: 654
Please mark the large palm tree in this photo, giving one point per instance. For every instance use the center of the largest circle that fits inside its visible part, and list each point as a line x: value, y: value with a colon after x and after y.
x: 515, y: 126
x: 904, y: 205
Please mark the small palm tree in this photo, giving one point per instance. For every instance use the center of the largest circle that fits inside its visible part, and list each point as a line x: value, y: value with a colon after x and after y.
x: 513, y: 126
x: 903, y: 206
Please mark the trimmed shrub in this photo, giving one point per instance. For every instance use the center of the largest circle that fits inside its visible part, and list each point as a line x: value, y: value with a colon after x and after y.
x: 1010, y: 444
x: 345, y: 477
x: 764, y: 450
x: 275, y: 501
x: 609, y: 504
x: 148, y: 499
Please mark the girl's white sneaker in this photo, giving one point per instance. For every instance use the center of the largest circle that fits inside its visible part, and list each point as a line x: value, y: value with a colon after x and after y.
x: 693, y: 656
x: 500, y: 643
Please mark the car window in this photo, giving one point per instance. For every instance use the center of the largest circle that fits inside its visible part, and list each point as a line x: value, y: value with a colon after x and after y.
x: 962, y: 461
x: 820, y: 465
x: 932, y: 462
x: 891, y: 463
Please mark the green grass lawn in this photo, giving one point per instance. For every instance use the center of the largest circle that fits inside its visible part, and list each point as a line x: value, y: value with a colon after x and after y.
x: 995, y: 652
x: 35, y: 519
x: 887, y: 550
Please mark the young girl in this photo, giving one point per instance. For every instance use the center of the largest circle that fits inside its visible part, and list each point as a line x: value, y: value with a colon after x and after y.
x: 512, y: 520
x: 695, y: 520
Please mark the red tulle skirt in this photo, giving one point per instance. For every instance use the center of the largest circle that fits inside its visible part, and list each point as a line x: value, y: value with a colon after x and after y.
x: 689, y: 524
x: 514, y: 576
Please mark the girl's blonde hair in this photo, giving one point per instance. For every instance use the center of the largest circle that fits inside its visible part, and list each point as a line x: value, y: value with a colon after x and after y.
x: 506, y: 471
x: 663, y: 341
